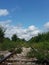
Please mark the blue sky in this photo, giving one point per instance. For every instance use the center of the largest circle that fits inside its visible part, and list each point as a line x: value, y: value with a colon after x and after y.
x: 26, y: 12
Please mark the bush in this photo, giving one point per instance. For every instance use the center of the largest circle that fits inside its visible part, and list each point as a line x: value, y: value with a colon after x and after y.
x: 11, y: 50
x: 19, y: 50
x: 30, y: 54
x: 7, y: 45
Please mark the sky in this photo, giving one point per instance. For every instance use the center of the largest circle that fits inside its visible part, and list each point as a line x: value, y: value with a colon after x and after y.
x: 25, y: 18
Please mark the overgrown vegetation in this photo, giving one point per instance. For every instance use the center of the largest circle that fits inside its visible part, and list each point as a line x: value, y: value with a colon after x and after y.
x: 39, y: 44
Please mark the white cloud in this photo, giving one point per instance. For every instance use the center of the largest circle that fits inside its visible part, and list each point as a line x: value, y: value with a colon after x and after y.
x: 5, y: 24
x: 22, y: 33
x: 3, y: 12
x: 32, y: 27
x: 46, y: 25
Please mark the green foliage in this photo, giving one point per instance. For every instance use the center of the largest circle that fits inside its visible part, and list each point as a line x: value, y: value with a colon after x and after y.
x: 8, y: 45
x: 1, y: 34
x: 40, y: 38
x: 30, y: 54
x: 14, y: 38
x: 11, y: 49
x: 19, y: 50
x: 40, y: 56
x: 40, y: 51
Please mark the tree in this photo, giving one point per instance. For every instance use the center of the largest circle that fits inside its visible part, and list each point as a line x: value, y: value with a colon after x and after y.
x: 14, y: 37
x: 1, y: 34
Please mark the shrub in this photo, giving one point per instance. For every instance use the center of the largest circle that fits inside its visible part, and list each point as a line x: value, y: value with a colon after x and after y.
x: 19, y: 50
